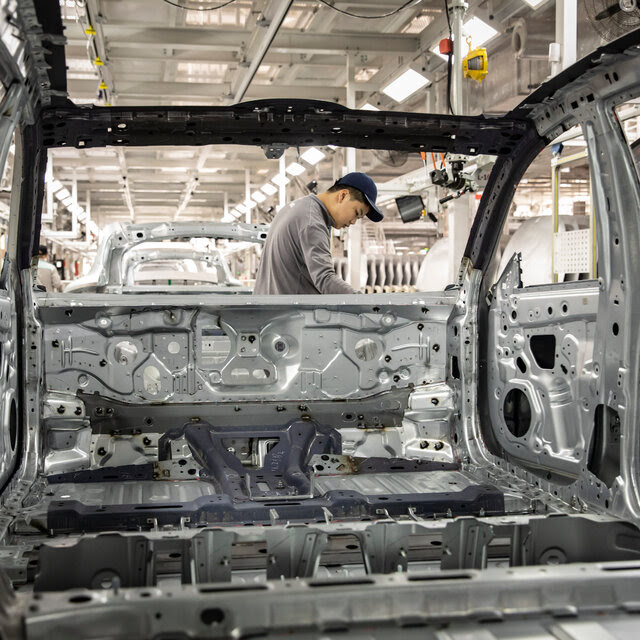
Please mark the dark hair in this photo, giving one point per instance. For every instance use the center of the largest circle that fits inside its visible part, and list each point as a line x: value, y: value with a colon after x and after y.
x: 355, y: 194
x: 42, y: 250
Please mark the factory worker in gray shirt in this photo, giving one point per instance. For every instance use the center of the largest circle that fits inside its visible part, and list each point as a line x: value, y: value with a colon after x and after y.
x: 297, y: 256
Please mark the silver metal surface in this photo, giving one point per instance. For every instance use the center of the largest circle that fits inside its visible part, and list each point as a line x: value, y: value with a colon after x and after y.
x: 131, y: 492
x: 395, y: 483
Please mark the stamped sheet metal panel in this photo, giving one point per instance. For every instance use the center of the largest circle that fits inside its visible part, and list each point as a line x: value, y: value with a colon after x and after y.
x: 541, y: 371
x: 181, y: 350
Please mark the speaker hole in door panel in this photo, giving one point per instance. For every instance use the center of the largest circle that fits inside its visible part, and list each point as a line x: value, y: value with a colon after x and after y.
x: 517, y: 412
x: 152, y: 380
x: 543, y: 348
x: 366, y: 349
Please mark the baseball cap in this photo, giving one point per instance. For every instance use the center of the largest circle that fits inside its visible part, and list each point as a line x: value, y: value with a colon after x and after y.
x: 363, y: 183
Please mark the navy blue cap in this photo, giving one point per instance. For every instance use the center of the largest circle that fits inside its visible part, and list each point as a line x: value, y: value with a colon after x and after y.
x: 363, y: 183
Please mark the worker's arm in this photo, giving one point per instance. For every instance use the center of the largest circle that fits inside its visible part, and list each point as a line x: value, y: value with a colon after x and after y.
x: 314, y: 242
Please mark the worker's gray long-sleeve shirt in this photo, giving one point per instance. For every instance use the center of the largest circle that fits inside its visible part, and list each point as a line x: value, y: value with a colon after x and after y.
x: 297, y: 256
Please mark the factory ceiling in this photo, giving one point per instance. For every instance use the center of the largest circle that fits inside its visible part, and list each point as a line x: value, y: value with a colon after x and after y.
x: 205, y: 53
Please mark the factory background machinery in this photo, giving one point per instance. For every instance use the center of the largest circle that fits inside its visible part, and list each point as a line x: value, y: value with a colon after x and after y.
x: 363, y: 54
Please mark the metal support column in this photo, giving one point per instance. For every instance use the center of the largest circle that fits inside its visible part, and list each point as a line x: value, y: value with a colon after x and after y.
x: 247, y: 194
x: 282, y: 193
x: 566, y: 34
x: 354, y: 238
x: 456, y: 15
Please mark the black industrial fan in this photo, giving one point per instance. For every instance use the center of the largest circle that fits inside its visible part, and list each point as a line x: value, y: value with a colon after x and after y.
x: 392, y: 158
x: 613, y: 18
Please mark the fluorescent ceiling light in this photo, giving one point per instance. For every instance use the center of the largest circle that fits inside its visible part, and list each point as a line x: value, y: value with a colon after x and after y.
x: 369, y: 107
x: 332, y: 146
x: 242, y: 208
x: 280, y: 179
x: 312, y: 156
x: 269, y: 189
x: 258, y: 196
x: 405, y: 85
x: 249, y: 203
x: 534, y: 3
x: 62, y: 194
x: 67, y: 202
x: 295, y: 169
x: 479, y: 31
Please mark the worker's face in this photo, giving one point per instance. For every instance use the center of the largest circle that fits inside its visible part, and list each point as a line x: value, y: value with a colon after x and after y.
x: 347, y: 211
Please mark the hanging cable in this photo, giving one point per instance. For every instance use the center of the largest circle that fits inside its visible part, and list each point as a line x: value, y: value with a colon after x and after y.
x: 449, y: 58
x: 181, y: 6
x: 355, y: 15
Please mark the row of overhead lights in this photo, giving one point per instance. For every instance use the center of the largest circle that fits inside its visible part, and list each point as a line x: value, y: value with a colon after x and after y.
x: 311, y: 156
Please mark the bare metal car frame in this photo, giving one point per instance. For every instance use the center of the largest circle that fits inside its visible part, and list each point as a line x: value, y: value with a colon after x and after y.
x: 121, y: 250
x: 399, y: 462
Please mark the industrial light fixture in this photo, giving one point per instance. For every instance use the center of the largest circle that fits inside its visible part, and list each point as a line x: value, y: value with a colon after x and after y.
x: 63, y: 193
x: 56, y: 185
x: 249, y: 203
x: 479, y: 31
x: 405, y: 85
x: 269, y: 189
x: 295, y: 169
x: 534, y: 4
x: 312, y: 156
x: 258, y: 196
x: 242, y: 208
x: 369, y: 107
x: 280, y: 179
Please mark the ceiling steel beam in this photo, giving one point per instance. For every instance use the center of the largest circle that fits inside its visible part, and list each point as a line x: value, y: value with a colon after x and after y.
x: 205, y: 39
x: 273, y: 15
x: 184, y: 91
x: 123, y: 54
x: 142, y: 162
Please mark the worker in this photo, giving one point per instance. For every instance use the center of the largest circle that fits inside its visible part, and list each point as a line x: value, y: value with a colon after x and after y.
x: 48, y: 275
x: 296, y: 258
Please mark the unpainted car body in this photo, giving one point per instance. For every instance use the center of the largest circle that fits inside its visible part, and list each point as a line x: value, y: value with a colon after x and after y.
x: 224, y: 466
x: 124, y: 250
